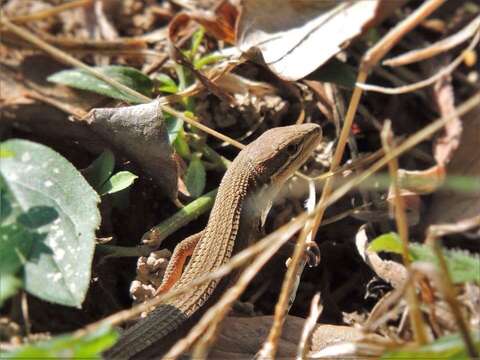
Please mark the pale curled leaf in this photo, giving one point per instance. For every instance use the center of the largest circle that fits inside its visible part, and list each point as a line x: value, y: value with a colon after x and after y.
x: 296, y: 37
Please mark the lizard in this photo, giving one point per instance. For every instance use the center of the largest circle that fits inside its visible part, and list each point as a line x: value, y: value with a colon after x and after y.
x: 243, y: 201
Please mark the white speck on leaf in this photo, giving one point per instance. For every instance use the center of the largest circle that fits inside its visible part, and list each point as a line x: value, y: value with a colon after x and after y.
x: 59, y: 254
x: 53, y: 243
x: 48, y: 184
x: 55, y: 277
x: 56, y: 171
x: 26, y: 157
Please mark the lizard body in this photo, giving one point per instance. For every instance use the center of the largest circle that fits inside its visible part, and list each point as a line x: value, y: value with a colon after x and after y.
x: 242, y: 203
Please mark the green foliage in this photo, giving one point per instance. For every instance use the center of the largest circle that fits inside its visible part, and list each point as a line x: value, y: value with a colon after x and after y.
x: 462, y: 266
x: 48, y: 219
x: 390, y: 242
x: 118, y: 182
x: 166, y: 84
x: 206, y: 60
x: 9, y: 285
x: 89, y: 346
x: 100, y: 170
x: 131, y: 77
x: 462, y: 184
x: 99, y: 175
x: 174, y: 127
x: 195, y: 177
x: 449, y: 347
x: 197, y: 39
x: 15, y: 246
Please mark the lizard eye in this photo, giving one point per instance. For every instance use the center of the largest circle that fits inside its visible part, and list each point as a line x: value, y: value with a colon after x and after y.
x: 292, y: 149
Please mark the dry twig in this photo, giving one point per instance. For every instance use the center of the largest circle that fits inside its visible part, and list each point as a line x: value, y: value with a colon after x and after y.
x: 402, y: 227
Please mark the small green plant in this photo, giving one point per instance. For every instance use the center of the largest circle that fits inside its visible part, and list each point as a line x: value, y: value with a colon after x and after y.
x: 88, y: 346
x: 196, y: 173
x: 100, y: 175
x: 140, y: 82
x: 449, y: 347
x: 463, y: 266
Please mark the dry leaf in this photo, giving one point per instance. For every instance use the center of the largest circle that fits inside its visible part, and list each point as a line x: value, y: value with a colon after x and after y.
x: 390, y: 271
x: 23, y: 83
x: 296, y: 37
x: 449, y: 205
x: 178, y: 25
x: 139, y: 132
x: 221, y: 23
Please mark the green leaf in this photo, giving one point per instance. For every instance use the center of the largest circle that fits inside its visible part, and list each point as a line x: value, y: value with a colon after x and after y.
x: 98, y: 172
x: 174, y: 127
x: 9, y: 286
x: 5, y: 203
x: 197, y: 40
x: 207, y: 60
x: 449, y: 347
x: 462, y: 266
x: 15, y: 246
x: 167, y: 84
x: 80, y: 79
x: 55, y: 206
x: 118, y: 182
x: 390, y: 242
x: 181, y: 145
x: 337, y: 72
x: 89, y: 346
x: 195, y: 177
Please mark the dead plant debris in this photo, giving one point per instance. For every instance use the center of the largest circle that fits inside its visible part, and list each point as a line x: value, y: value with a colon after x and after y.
x: 140, y: 107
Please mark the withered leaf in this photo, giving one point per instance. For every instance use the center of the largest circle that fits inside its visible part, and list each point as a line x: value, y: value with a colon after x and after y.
x: 297, y: 37
x: 140, y: 133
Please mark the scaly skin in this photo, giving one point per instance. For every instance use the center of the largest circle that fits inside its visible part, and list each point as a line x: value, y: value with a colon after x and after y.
x: 243, y: 200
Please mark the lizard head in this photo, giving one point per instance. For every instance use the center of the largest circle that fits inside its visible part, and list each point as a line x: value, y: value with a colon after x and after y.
x: 279, y: 152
